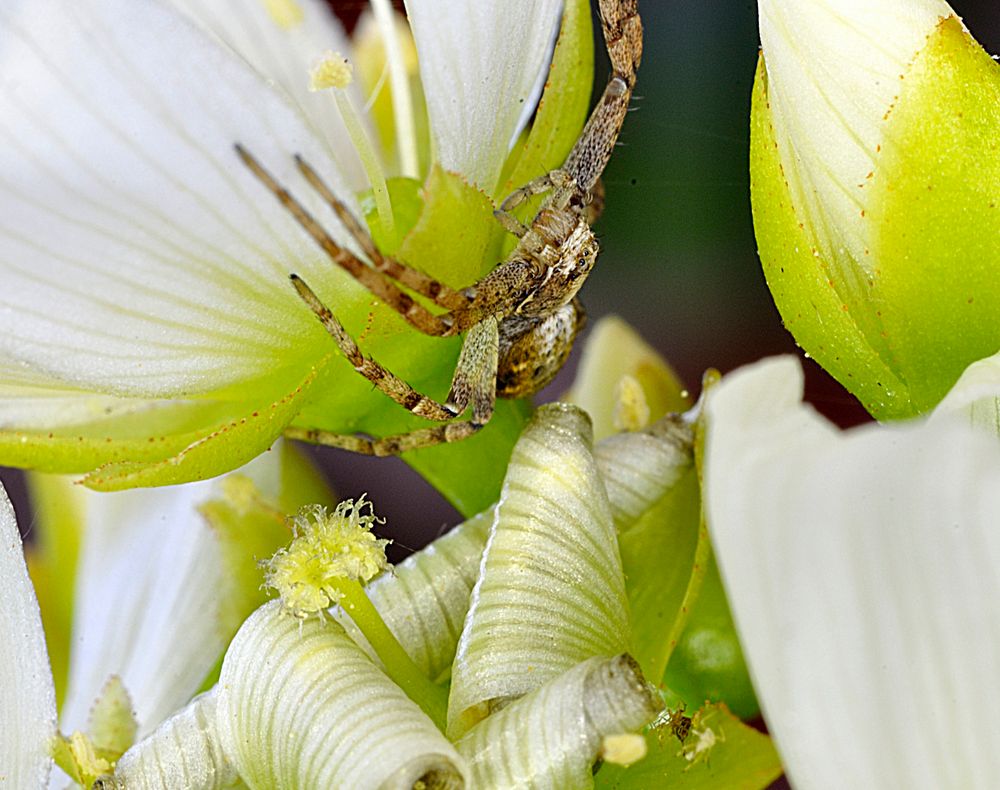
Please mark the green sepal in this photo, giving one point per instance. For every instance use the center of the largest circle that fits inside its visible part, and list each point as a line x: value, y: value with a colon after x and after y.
x: 112, y: 725
x: 936, y: 210
x: 52, y: 561
x: 209, y: 453
x: 562, y: 110
x: 657, y: 556
x: 455, y: 239
x: 734, y: 757
x: 407, y: 205
x: 804, y: 286
x: 564, y: 105
x: 708, y: 663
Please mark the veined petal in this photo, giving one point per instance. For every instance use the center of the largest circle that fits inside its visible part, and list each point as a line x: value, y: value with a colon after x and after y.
x: 834, y: 71
x: 27, y: 696
x: 284, y: 51
x: 862, y: 572
x: 425, y: 599
x: 139, y: 256
x: 551, y: 590
x: 480, y: 64
x: 149, y: 600
x: 552, y: 737
x: 302, y: 706
x: 184, y: 751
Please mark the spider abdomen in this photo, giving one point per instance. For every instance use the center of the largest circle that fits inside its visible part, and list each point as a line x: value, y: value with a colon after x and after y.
x: 533, y: 349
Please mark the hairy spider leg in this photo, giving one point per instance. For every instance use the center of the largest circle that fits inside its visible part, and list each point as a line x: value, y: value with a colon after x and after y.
x: 378, y: 283
x: 423, y: 284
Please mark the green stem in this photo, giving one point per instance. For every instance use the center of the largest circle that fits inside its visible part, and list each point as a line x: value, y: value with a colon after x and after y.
x: 431, y: 698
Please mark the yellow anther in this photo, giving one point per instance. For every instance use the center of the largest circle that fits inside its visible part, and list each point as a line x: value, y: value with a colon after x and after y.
x: 285, y: 13
x: 327, y: 548
x: 332, y: 70
x: 631, y: 411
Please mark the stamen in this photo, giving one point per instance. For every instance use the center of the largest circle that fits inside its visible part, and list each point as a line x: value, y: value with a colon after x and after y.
x: 399, y: 81
x: 285, y: 13
x: 333, y: 71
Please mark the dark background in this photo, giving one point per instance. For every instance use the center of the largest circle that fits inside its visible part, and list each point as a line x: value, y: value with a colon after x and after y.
x: 679, y: 259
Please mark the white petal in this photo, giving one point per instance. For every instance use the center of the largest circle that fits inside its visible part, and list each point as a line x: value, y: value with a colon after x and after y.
x: 863, y: 570
x: 833, y: 72
x: 148, y: 600
x: 285, y: 54
x: 975, y: 396
x: 138, y: 255
x: 184, y: 751
x: 479, y: 63
x: 551, y: 591
x: 302, y: 706
x: 551, y: 737
x: 27, y: 696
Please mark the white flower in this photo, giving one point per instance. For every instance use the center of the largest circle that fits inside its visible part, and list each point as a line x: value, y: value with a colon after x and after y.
x: 862, y: 570
x: 146, y: 313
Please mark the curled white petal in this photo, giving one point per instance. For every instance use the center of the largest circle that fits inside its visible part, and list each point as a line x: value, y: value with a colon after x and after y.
x: 834, y: 71
x: 184, y: 751
x: 302, y: 706
x: 640, y: 468
x: 551, y: 592
x: 551, y: 737
x: 479, y: 63
x: 862, y: 569
x: 27, y: 696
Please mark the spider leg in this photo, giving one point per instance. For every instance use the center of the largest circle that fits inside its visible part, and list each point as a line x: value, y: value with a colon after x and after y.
x: 558, y: 181
x: 475, y: 379
x: 623, y: 35
x: 385, y: 380
x: 378, y: 283
x: 389, y: 445
x: 423, y: 284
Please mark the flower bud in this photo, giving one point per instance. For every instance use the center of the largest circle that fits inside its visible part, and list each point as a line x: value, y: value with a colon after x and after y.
x: 874, y: 178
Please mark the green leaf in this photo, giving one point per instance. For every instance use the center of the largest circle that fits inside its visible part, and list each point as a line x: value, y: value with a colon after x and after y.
x: 936, y: 211
x: 719, y: 753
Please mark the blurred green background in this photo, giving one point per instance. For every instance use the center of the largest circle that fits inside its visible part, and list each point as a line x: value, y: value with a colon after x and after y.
x: 679, y: 259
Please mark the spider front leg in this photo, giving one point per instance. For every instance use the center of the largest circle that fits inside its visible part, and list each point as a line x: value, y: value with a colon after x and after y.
x: 385, y: 380
x: 474, y: 383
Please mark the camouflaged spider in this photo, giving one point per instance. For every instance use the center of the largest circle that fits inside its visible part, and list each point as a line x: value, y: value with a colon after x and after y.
x: 521, y: 319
